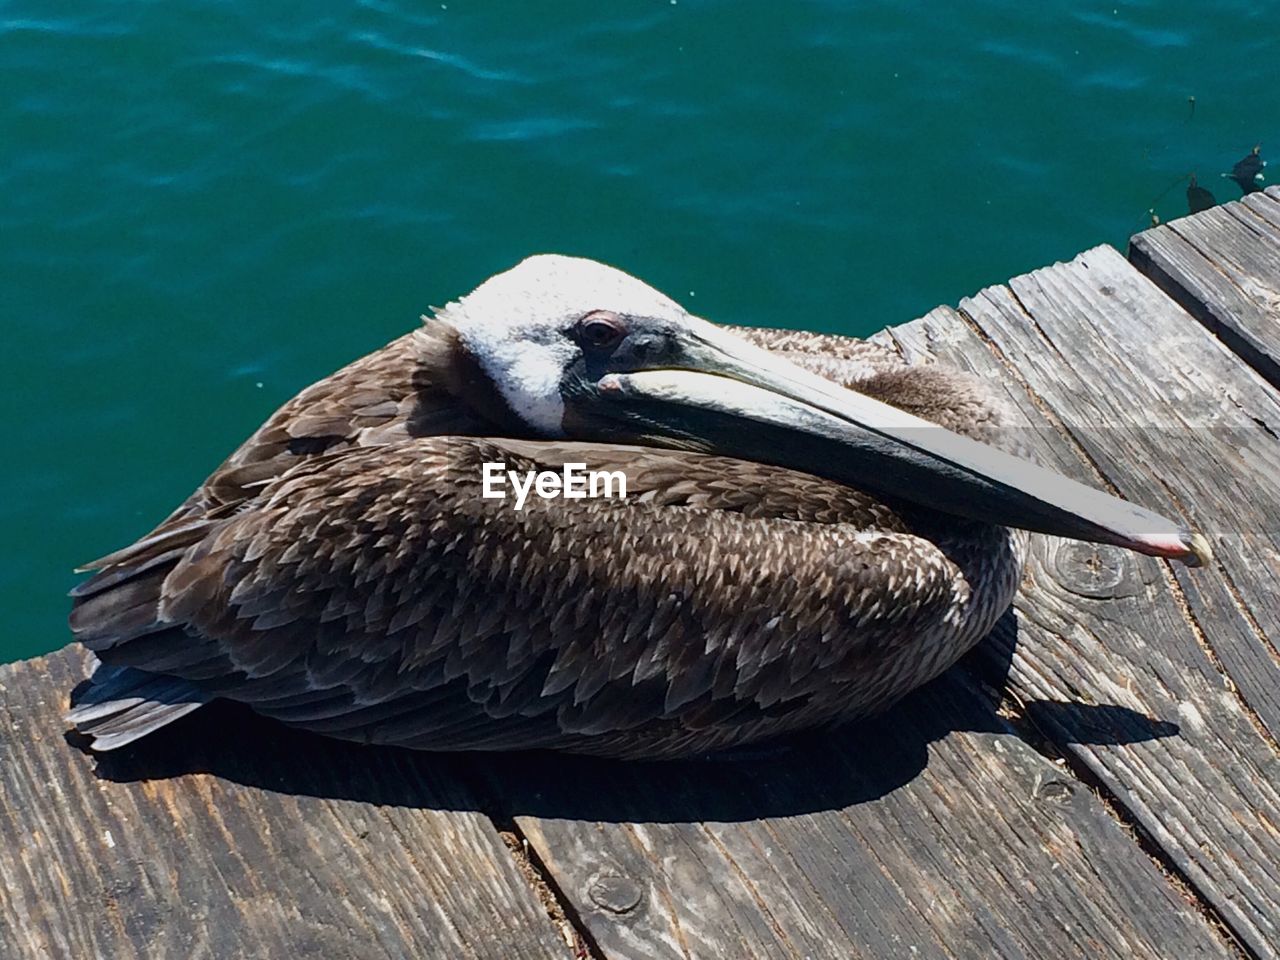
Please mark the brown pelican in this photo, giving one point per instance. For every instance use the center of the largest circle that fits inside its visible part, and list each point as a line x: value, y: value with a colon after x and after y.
x: 811, y: 529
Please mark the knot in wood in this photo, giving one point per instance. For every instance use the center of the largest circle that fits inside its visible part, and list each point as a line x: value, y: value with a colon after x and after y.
x: 1090, y: 569
x: 1055, y: 791
x: 614, y: 893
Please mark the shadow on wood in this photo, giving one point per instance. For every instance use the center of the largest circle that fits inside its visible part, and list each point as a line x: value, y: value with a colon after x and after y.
x: 821, y: 770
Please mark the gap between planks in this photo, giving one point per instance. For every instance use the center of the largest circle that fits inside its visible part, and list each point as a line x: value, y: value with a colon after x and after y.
x: 1175, y: 589
x: 561, y: 910
x: 1034, y: 736
x: 1042, y: 742
x: 1183, y: 841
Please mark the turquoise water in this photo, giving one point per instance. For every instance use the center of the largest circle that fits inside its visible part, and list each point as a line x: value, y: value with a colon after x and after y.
x: 205, y: 206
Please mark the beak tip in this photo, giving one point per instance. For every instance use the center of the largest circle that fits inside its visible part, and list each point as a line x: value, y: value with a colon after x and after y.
x: 1199, y: 554
x: 1185, y: 545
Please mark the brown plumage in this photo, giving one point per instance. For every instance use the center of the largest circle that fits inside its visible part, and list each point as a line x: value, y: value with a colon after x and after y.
x: 340, y: 572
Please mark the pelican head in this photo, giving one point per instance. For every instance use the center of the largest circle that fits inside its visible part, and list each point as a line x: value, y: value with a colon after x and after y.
x: 581, y: 350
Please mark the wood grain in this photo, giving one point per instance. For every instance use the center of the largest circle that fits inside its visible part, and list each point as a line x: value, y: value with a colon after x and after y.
x: 1223, y: 267
x: 197, y: 865
x: 932, y: 831
x: 1094, y: 343
x: 935, y: 827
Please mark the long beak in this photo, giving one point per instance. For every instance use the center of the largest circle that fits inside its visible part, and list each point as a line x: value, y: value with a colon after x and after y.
x: 737, y: 399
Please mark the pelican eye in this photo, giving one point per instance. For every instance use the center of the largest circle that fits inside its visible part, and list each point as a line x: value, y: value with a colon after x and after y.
x: 600, y: 331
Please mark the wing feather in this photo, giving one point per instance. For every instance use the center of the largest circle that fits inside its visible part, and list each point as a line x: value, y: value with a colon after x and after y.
x: 341, y: 572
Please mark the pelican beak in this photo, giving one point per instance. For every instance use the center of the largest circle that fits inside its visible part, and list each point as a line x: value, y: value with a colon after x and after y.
x: 730, y: 397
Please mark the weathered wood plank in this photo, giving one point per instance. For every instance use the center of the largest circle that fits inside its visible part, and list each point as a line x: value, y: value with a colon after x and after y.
x: 1178, y: 420
x: 1146, y: 400
x: 1223, y: 267
x: 932, y: 831
x: 1266, y: 208
x: 272, y: 857
x: 935, y: 830
x: 192, y: 845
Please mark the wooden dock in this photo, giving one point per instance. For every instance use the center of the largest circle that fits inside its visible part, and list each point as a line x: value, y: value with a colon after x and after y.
x: 1100, y: 778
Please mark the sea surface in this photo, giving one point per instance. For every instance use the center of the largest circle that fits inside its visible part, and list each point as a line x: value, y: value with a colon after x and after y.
x: 206, y: 206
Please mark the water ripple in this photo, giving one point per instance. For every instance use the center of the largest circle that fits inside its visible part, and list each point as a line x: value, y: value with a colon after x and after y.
x: 473, y: 70
x: 1153, y: 37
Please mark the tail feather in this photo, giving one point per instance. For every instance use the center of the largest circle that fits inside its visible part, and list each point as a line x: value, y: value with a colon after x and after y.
x: 123, y: 704
x: 166, y: 543
x: 130, y: 609
x: 116, y: 612
x: 150, y: 559
x: 106, y: 579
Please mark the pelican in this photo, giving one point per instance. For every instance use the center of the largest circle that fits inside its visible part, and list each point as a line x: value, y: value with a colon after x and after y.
x: 811, y: 529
